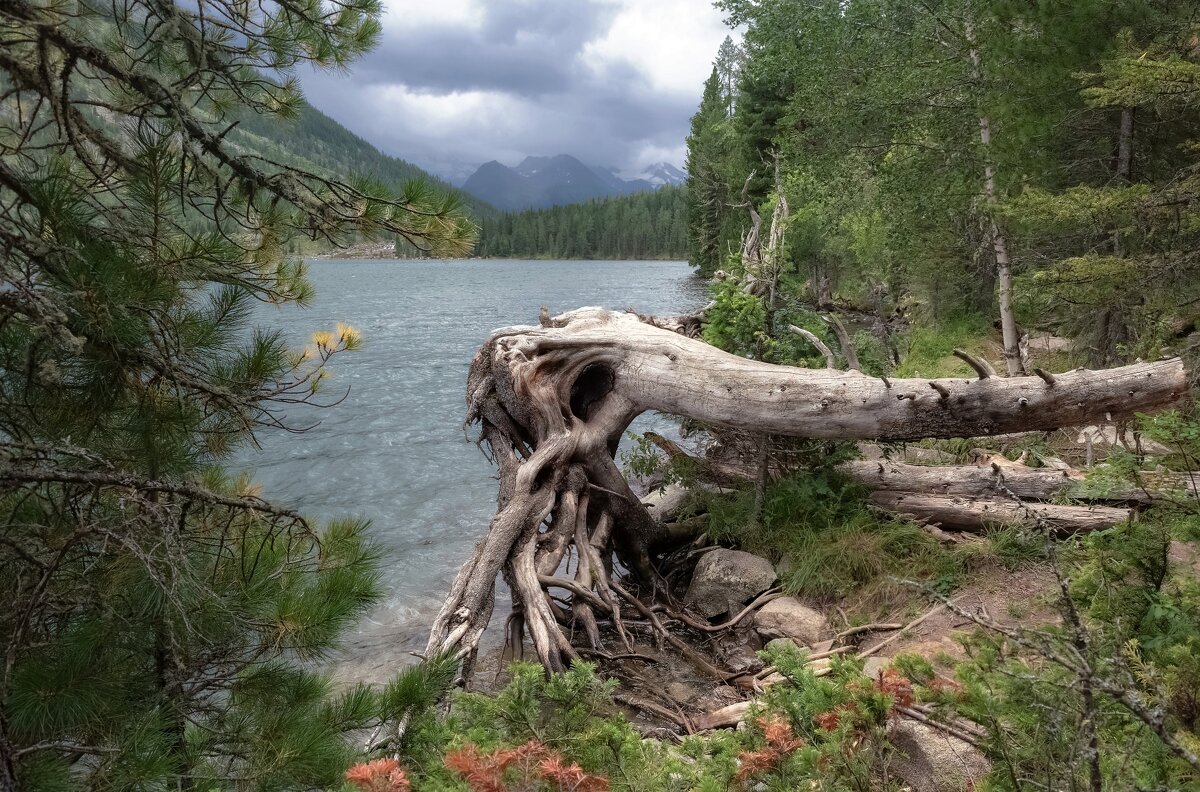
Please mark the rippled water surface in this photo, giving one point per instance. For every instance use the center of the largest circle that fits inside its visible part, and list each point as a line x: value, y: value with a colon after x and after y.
x: 394, y: 451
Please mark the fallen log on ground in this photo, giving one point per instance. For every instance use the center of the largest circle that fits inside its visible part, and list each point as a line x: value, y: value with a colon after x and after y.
x: 553, y: 401
x: 1012, y: 480
x: 980, y: 513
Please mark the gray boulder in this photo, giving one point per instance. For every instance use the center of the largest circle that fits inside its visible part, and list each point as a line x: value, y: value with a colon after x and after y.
x: 725, y: 580
x: 666, y: 503
x: 788, y: 617
x: 929, y: 760
x: 874, y: 665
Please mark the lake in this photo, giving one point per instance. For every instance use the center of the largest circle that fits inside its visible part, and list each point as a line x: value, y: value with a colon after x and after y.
x: 393, y: 451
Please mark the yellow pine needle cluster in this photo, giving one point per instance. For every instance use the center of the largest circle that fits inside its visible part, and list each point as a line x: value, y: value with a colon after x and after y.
x: 324, y: 344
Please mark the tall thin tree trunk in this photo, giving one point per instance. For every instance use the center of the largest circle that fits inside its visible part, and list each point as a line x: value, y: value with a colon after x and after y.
x: 1111, y: 330
x: 8, y: 770
x: 762, y: 475
x: 1008, y: 323
x: 1125, y: 146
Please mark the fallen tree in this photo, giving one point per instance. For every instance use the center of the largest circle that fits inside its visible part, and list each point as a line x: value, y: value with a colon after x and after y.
x: 972, y: 513
x: 975, y: 497
x: 1018, y: 481
x: 997, y: 476
x: 553, y: 401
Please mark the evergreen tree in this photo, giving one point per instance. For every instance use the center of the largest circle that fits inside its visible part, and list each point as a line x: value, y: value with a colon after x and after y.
x: 938, y: 156
x: 161, y: 619
x: 710, y: 197
x: 646, y: 225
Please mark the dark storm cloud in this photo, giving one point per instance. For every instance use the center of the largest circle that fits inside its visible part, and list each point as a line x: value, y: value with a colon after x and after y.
x: 515, y: 81
x: 527, y: 49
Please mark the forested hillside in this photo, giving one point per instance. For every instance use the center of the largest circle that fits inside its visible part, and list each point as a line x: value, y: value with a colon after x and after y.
x: 647, y: 225
x: 314, y: 141
x: 932, y: 156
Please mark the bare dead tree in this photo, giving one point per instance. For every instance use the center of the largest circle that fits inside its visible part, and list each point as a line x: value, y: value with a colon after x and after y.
x: 553, y: 401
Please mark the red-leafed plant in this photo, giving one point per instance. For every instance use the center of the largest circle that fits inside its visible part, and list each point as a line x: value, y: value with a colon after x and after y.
x: 381, y: 775
x: 527, y: 768
x: 831, y: 719
x: 781, y: 742
x: 894, y: 684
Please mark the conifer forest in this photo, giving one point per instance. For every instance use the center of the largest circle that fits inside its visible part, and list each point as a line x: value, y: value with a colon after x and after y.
x: 918, y: 509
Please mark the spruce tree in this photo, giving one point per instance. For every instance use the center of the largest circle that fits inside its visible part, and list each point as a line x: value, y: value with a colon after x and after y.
x: 709, y: 195
x: 162, y: 622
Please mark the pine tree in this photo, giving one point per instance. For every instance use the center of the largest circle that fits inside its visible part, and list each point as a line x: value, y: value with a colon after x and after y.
x: 709, y: 199
x: 611, y: 228
x: 161, y: 619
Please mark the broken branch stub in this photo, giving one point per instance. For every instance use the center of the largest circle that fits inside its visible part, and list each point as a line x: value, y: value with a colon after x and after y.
x: 554, y: 399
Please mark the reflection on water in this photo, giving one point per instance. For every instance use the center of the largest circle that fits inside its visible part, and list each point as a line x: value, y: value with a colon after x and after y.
x: 394, y: 451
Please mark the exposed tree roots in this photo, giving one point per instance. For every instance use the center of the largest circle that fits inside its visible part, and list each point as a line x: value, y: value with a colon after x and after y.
x: 572, y: 540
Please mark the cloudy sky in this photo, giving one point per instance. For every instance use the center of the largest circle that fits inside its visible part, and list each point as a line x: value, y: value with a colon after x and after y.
x: 456, y: 83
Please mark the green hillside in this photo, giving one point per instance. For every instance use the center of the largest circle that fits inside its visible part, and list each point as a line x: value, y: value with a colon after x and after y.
x: 645, y: 225
x: 315, y: 141
x: 649, y: 225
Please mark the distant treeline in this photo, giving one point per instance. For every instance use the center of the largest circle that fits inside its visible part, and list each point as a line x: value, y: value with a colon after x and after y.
x: 648, y: 225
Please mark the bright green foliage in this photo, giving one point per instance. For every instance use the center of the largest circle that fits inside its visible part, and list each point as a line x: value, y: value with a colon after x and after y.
x: 874, y: 110
x: 737, y: 322
x: 1141, y: 636
x: 825, y: 733
x: 646, y: 225
x: 573, y: 714
x: 164, y: 625
x: 820, y: 529
x: 929, y: 349
x: 713, y: 224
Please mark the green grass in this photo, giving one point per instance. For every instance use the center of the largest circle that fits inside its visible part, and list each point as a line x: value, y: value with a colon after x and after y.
x: 1016, y: 547
x: 831, y: 544
x: 930, y: 350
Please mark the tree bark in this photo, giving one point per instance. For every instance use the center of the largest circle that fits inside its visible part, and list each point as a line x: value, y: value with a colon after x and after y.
x: 978, y: 514
x: 8, y: 770
x: 1111, y: 328
x: 1008, y: 323
x: 1125, y: 146
x: 1041, y: 484
x: 556, y: 398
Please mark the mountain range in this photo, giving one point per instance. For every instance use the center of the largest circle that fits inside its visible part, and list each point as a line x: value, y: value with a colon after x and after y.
x: 542, y: 182
x: 317, y: 143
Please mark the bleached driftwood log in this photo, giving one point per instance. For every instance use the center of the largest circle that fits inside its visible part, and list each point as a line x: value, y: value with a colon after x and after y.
x: 978, y: 497
x: 1026, y: 483
x: 978, y: 513
x: 553, y: 400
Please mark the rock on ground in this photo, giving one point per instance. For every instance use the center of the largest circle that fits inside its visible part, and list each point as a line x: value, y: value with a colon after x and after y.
x: 929, y: 760
x: 788, y: 617
x: 725, y: 580
x: 666, y: 503
x: 874, y: 665
x: 1184, y: 556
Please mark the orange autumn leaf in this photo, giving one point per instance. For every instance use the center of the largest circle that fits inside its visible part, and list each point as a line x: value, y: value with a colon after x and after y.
x: 528, y: 766
x: 380, y: 775
x: 893, y: 683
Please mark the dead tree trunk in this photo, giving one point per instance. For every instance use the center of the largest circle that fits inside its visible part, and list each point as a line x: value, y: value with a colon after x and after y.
x: 1018, y: 481
x: 978, y: 514
x: 1008, y: 322
x: 553, y: 401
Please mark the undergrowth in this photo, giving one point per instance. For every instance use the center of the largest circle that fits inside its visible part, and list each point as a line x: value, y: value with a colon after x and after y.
x: 930, y: 349
x: 563, y: 732
x: 829, y: 544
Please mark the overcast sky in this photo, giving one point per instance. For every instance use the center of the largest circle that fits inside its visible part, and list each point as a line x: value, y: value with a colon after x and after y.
x: 459, y: 82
